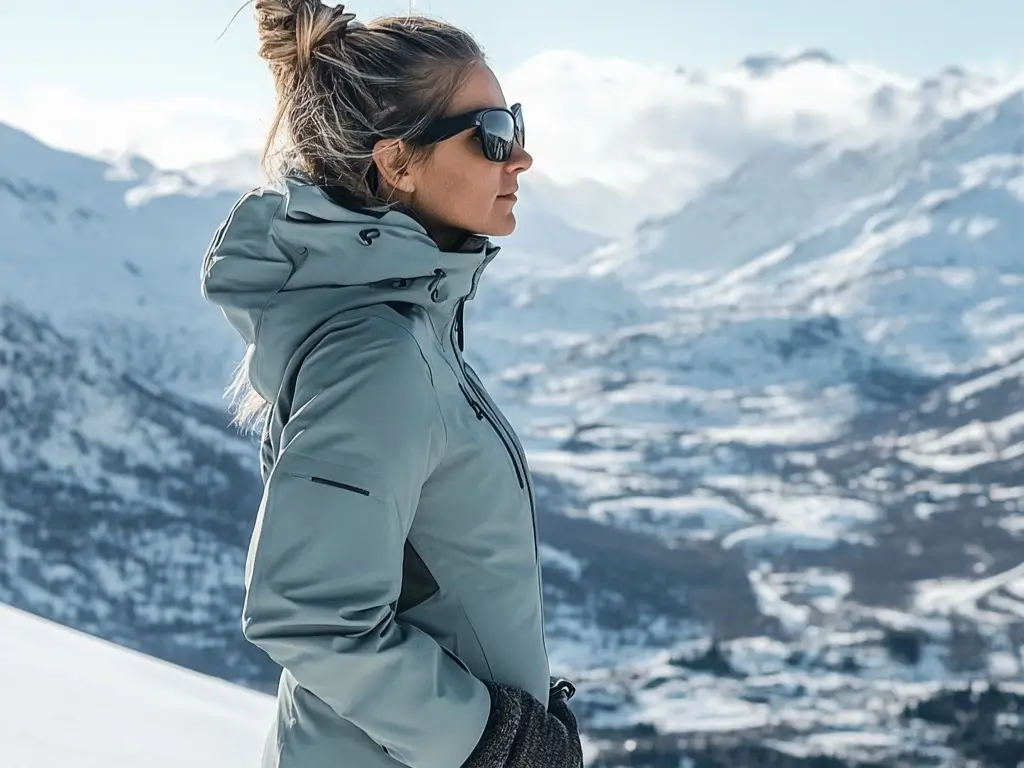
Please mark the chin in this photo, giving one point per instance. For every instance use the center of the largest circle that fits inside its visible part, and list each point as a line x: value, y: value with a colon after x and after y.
x: 501, y: 226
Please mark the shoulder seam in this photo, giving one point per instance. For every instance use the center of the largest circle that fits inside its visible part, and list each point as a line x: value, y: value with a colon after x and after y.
x: 430, y: 377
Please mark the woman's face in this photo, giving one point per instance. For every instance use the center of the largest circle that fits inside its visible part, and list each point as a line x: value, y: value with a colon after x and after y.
x: 456, y: 189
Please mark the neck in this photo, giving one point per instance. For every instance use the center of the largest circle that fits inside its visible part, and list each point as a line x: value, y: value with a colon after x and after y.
x: 447, y: 238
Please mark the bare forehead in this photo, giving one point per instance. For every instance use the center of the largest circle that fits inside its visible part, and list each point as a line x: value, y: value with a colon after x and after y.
x: 480, y: 90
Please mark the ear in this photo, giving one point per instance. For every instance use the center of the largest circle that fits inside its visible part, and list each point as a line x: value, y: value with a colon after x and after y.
x: 387, y: 154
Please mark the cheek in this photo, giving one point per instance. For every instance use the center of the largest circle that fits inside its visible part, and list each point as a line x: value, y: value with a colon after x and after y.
x: 463, y: 184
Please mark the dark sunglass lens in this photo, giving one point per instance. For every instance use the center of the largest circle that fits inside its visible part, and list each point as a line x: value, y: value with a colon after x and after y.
x: 520, y: 126
x: 497, y: 132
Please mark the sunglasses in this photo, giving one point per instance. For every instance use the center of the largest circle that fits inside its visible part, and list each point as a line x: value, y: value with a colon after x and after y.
x: 497, y: 128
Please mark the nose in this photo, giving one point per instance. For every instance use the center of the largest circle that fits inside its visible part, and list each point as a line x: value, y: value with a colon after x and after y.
x: 520, y: 160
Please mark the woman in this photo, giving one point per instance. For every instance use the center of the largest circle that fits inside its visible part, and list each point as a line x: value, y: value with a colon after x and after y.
x: 393, y: 570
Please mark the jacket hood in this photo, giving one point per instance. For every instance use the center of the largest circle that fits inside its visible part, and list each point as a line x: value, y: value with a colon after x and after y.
x: 285, y: 261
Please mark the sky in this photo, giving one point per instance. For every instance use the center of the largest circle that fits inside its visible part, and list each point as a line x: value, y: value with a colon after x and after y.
x: 89, y: 75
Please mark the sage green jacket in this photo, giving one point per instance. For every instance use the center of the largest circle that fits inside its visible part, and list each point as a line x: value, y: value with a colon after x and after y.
x: 393, y: 566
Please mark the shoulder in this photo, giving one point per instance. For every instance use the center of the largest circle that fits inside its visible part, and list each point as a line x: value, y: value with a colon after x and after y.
x: 376, y: 337
x: 365, y: 390
x: 369, y: 356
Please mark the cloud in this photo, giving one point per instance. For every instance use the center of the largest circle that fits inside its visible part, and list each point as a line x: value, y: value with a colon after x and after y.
x: 654, y: 134
x: 663, y: 133
x: 170, y: 132
x: 630, y: 125
x: 1000, y: 68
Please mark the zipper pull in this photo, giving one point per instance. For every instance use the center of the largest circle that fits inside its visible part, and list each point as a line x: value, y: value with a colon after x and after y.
x: 561, y: 688
x: 478, y: 410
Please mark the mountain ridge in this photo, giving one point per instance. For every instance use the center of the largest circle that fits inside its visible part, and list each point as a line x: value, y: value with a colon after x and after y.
x: 775, y: 434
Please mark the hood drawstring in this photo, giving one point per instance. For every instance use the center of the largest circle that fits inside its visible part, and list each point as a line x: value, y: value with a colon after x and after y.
x: 436, y: 284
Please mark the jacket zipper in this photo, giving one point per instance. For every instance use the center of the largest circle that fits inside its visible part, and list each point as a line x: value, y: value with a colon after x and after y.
x: 482, y: 410
x: 510, y: 447
x: 481, y: 413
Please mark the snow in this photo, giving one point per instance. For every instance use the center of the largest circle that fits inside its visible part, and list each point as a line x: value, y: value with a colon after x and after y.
x: 707, y: 712
x: 555, y: 558
x: 771, y: 602
x: 74, y: 700
x: 758, y: 374
x: 794, y: 597
x: 1014, y: 525
x: 847, y: 743
x: 714, y: 515
x: 964, y: 391
x: 945, y: 596
x: 780, y: 538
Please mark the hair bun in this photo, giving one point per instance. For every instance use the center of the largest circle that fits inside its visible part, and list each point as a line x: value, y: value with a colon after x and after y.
x: 290, y: 31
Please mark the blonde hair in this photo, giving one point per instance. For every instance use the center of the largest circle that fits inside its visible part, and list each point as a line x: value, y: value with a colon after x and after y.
x: 341, y: 86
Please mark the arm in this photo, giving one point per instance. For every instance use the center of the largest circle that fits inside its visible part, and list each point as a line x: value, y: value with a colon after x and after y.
x: 324, y: 570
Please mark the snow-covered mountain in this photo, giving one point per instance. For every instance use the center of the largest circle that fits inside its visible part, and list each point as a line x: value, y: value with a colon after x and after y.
x: 615, y: 141
x: 777, y: 432
x: 658, y: 135
x: 823, y: 376
x: 108, y: 251
x: 125, y: 509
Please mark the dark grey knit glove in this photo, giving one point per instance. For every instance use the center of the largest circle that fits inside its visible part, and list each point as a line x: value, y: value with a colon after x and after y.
x: 522, y: 733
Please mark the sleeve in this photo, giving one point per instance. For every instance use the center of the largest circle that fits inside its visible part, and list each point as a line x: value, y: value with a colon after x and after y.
x: 324, y: 569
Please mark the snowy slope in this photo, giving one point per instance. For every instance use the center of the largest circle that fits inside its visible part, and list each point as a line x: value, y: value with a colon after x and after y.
x: 77, y: 702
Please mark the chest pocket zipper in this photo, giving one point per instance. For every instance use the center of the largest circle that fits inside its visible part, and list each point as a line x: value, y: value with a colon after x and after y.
x: 481, y: 414
x: 478, y: 404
